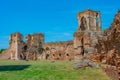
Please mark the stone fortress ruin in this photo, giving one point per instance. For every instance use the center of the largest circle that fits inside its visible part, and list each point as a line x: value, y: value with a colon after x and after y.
x: 85, y: 38
x: 89, y: 43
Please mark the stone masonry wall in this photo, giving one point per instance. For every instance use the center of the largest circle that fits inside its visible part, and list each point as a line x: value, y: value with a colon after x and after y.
x: 58, y: 51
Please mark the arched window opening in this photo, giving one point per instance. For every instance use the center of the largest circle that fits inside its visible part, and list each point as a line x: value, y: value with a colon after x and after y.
x: 67, y: 54
x: 53, y: 54
x: 47, y: 48
x: 97, y: 19
x: 47, y: 56
x: 83, y: 24
x: 40, y: 44
x: 59, y: 54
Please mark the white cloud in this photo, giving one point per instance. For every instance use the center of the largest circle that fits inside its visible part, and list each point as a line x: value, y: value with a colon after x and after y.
x: 67, y: 34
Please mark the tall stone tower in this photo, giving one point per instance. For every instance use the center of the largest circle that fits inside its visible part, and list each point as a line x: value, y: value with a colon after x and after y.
x: 34, y: 45
x: 16, y: 43
x: 89, y: 28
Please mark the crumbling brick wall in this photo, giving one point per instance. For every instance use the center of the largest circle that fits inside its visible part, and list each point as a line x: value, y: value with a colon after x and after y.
x: 109, y: 48
x: 58, y: 51
x: 33, y: 46
x: 29, y: 50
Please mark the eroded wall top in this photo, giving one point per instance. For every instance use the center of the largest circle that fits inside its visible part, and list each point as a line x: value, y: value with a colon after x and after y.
x: 89, y: 20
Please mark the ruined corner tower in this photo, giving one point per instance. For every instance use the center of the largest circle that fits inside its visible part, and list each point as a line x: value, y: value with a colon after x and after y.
x: 16, y: 43
x: 89, y: 28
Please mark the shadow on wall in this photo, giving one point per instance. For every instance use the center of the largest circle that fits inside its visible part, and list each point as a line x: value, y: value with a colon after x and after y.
x: 13, y: 67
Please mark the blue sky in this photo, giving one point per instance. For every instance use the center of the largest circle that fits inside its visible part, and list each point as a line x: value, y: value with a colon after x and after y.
x: 57, y: 19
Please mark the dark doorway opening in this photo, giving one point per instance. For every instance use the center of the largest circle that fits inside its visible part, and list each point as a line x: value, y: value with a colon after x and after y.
x: 25, y: 47
x: 47, y: 56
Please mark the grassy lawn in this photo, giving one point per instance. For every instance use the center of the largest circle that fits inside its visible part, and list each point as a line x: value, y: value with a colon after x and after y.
x: 47, y: 70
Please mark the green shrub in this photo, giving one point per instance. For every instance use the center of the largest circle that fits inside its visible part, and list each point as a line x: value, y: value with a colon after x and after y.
x: 1, y: 50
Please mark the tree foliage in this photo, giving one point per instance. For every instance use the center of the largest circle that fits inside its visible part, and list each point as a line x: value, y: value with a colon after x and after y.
x: 1, y: 50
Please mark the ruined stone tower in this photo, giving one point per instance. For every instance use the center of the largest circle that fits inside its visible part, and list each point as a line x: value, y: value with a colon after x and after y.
x: 34, y: 44
x: 16, y: 43
x: 20, y: 50
x: 89, y: 28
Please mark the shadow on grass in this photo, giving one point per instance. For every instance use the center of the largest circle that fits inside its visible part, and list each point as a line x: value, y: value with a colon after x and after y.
x: 13, y: 67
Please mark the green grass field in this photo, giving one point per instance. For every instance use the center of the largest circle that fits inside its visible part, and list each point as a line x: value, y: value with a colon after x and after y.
x: 47, y: 70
